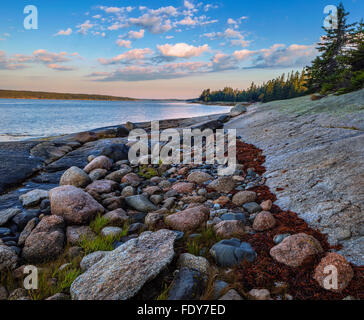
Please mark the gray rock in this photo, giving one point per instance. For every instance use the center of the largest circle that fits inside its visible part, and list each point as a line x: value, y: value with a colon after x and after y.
x: 75, y: 176
x: 140, y: 203
x: 237, y: 110
x: 117, y: 217
x: 252, y: 207
x: 124, y: 271
x: 188, y: 285
x: 8, y: 214
x: 280, y: 237
x: 190, y: 261
x: 27, y: 231
x: 219, y: 287
x: 116, y: 152
x: 3, y: 293
x: 75, y: 234
x: 111, y: 231
x: 33, y: 198
x: 97, y: 174
x: 231, y: 295
x: 8, y: 258
x: 91, y: 259
x: 228, y: 253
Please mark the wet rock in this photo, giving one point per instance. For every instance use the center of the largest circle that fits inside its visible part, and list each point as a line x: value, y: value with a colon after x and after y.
x: 252, y: 207
x: 75, y: 234
x: 87, y: 136
x: 24, y: 217
x: 293, y: 250
x: 46, y: 241
x: 116, y: 152
x: 183, y: 187
x: 187, y: 260
x: 100, y: 162
x: 75, y: 176
x: 92, y: 258
x: 228, y: 253
x: 97, y: 174
x: 231, y: 295
x: 140, y: 203
x: 27, y: 231
x: 243, y: 197
x: 124, y: 271
x: 189, y: 219
x: 8, y: 258
x: 199, y: 177
x: 4, y: 232
x: 117, y: 217
x: 222, y: 184
x: 188, y: 285
x: 74, y: 205
x: 233, y: 216
x: 333, y: 263
x: 229, y: 229
x: 264, y: 221
x: 33, y: 198
x: 260, y: 294
x: 7, y: 214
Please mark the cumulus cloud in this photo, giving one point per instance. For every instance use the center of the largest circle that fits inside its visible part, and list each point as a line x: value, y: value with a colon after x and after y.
x: 84, y: 27
x: 8, y: 63
x: 123, y: 43
x: 64, y: 32
x: 182, y: 50
x: 131, y: 55
x: 136, y: 34
x: 152, y: 23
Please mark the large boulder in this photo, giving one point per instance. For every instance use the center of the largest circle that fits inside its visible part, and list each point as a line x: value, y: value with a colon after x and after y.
x: 237, y: 110
x: 75, y: 176
x: 33, y: 198
x: 140, y: 203
x: 222, y: 184
x: 123, y: 272
x: 8, y: 258
x: 116, y: 152
x: 333, y: 264
x: 46, y: 241
x: 88, y: 261
x: 189, y: 219
x: 100, y: 162
x: 293, y: 250
x: 74, y: 205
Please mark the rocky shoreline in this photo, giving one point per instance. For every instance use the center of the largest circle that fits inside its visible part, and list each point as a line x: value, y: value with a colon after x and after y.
x: 100, y: 228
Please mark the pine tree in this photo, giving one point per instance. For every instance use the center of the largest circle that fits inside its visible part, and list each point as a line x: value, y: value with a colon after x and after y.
x: 327, y: 68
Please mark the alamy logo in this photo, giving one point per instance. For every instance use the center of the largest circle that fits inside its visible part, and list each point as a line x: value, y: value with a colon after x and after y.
x: 31, y: 280
x: 331, y: 21
x: 173, y: 147
x: 31, y: 20
x: 330, y: 282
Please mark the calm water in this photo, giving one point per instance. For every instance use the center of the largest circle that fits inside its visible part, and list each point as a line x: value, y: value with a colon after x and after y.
x: 24, y: 119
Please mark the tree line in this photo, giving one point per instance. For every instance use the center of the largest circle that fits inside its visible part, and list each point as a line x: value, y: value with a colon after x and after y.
x: 339, y: 68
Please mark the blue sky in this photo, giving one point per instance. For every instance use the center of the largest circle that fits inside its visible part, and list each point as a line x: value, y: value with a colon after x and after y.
x: 157, y: 49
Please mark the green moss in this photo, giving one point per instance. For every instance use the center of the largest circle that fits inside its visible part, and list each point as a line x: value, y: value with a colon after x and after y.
x: 99, y: 243
x: 147, y: 172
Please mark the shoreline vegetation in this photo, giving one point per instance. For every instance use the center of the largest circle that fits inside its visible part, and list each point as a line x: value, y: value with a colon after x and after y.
x: 39, y: 95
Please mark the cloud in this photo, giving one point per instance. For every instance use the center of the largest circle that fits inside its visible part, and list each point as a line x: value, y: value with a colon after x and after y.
x: 64, y: 32
x: 49, y: 59
x: 58, y: 67
x: 279, y: 55
x: 131, y: 55
x: 136, y: 34
x: 189, y: 5
x: 182, y: 50
x: 84, y: 27
x: 152, y: 23
x: 208, y: 6
x: 124, y: 43
x: 243, y: 54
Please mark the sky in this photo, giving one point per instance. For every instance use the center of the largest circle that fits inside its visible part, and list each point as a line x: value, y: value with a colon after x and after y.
x: 157, y: 49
